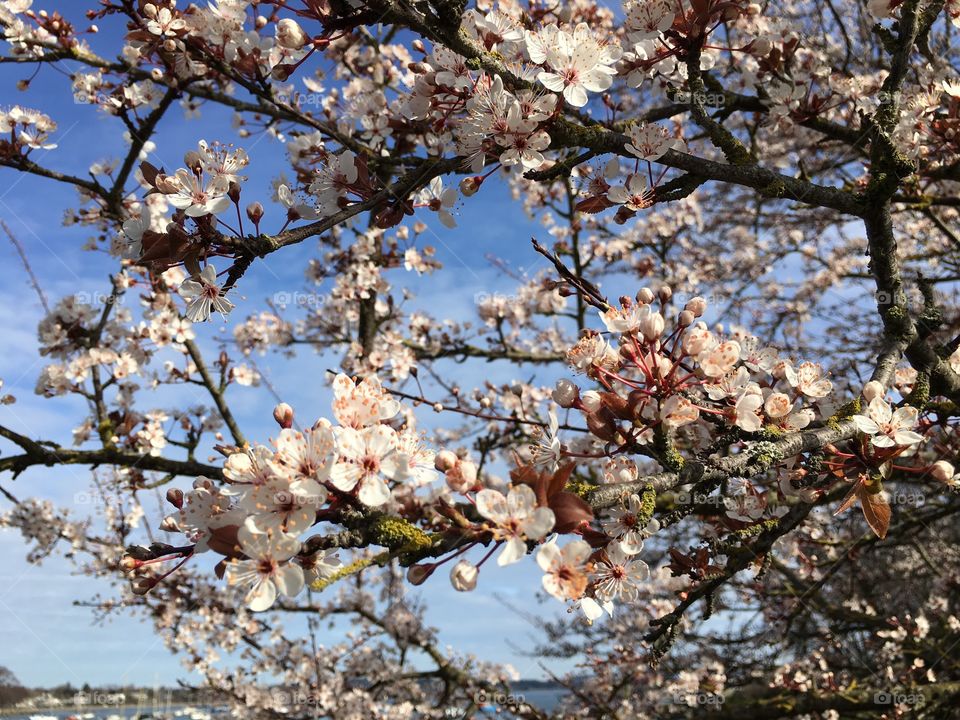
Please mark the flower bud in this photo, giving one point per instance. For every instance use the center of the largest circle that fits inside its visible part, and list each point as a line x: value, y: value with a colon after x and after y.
x: 591, y: 401
x: 685, y: 318
x: 462, y: 477
x: 255, y: 212
x: 470, y: 185
x: 290, y: 35
x: 696, y: 305
x: 417, y: 574
x: 469, y: 471
x: 419, y: 46
x: 445, y: 460
x: 463, y: 576
x: 871, y: 390
x: 283, y: 414
x: 169, y: 524
x: 565, y: 394
x: 141, y: 586
x: 128, y: 563
x: 665, y: 293
x: 192, y: 160
x: 942, y: 471
x: 652, y: 326
x: 644, y: 296
x: 175, y: 497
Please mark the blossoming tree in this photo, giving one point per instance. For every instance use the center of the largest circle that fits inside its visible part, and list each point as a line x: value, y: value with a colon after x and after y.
x: 717, y: 487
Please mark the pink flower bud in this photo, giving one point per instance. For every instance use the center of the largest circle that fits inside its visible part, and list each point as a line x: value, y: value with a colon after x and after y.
x: 417, y: 574
x: 651, y: 327
x: 445, y: 460
x: 942, y: 471
x: 470, y: 185
x: 141, y: 586
x: 175, y: 497
x: 590, y: 401
x: 463, y: 576
x: 565, y: 394
x: 871, y: 390
x: 290, y: 35
x: 696, y: 305
x: 665, y: 293
x: 283, y: 414
x: 192, y: 160
x: 645, y: 296
x: 255, y: 212
x: 469, y: 471
x: 685, y: 318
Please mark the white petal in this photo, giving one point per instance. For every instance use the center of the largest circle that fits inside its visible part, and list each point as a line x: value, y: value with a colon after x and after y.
x: 261, y: 596
x: 513, y: 550
x: 289, y: 579
x: 374, y: 491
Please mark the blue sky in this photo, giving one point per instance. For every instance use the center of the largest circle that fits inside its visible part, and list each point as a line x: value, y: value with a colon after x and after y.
x: 46, y: 639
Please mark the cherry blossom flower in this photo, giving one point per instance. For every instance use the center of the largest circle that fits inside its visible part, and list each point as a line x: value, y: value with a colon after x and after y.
x: 302, y: 210
x: 307, y: 457
x: 719, y: 361
x: 223, y: 163
x: 577, y: 63
x: 267, y: 571
x: 565, y: 569
x: 162, y: 21
x: 195, y: 198
x: 635, y: 194
x: 887, y: 427
x: 279, y: 506
x: 747, y: 409
x: 203, y: 295
x: 335, y: 180
x: 319, y: 566
x: 516, y: 518
x: 809, y: 379
x: 623, y: 524
x: 651, y: 142
x: 440, y: 201
x: 364, y: 457
x: 362, y: 404
x: 646, y: 19
x: 547, y: 451
x: 619, y: 574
